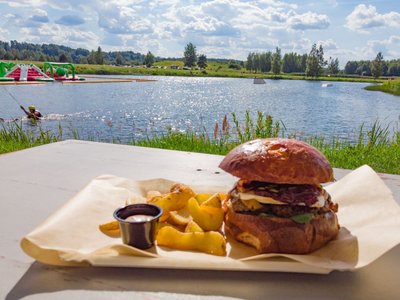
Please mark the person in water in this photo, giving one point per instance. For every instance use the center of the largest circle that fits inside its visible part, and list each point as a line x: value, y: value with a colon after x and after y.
x: 32, y: 113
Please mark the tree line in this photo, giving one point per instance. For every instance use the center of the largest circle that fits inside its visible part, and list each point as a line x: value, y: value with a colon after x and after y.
x: 367, y: 67
x: 312, y: 64
x: 14, y: 50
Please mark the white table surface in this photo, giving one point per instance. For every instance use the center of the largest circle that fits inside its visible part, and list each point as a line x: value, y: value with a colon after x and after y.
x: 37, y: 181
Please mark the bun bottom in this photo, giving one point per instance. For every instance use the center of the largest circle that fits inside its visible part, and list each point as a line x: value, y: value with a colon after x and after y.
x: 281, y: 235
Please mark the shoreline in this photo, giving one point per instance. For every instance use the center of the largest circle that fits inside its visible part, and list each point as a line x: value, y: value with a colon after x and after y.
x: 214, y: 69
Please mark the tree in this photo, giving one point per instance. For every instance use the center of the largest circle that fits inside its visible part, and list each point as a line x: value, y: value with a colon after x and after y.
x: 350, y: 67
x: 315, y: 61
x: 249, y: 62
x: 62, y: 58
x: 364, y: 68
x: 377, y: 65
x: 83, y: 61
x: 99, y: 58
x: 291, y: 62
x: 265, y: 61
x: 149, y: 59
x: 92, y: 58
x: 333, y: 66
x: 276, y: 61
x: 303, y: 64
x: 119, y: 60
x: 202, y: 62
x: 190, y: 56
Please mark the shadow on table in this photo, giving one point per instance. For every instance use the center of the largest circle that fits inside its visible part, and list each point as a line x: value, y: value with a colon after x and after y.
x: 42, y: 278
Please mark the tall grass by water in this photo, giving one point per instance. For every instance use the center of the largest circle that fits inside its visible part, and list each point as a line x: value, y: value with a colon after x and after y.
x: 13, y: 137
x: 376, y: 145
x: 390, y: 86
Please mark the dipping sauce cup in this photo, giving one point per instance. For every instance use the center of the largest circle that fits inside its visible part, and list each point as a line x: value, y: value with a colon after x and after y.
x: 138, y: 224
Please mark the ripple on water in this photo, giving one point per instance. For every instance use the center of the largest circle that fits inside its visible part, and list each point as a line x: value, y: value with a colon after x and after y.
x: 133, y: 110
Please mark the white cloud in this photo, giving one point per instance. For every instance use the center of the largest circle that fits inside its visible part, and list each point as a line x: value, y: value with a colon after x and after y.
x: 308, y: 20
x: 70, y: 20
x: 39, y: 15
x: 24, y: 3
x: 364, y: 17
x: 53, y: 33
x: 328, y: 44
x: 219, y: 28
x: 389, y: 47
x: 4, y: 32
x: 117, y: 19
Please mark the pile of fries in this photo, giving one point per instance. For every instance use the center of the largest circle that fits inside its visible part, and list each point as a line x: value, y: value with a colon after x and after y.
x: 189, y: 221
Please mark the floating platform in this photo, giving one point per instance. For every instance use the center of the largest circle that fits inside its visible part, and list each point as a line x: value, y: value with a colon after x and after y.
x: 121, y: 78
x: 258, y: 81
x: 13, y: 82
x: 30, y: 72
x: 97, y: 81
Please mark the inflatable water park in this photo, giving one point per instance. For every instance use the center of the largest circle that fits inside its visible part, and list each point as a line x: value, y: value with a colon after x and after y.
x: 19, y: 73
x: 50, y: 72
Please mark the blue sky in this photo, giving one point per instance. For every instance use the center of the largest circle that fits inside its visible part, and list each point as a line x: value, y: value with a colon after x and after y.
x: 348, y: 30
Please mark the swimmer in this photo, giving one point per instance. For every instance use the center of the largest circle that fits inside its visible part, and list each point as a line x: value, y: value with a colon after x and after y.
x: 33, y: 113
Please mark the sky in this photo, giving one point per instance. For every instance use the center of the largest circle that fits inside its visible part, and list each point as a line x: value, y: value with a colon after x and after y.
x: 347, y: 30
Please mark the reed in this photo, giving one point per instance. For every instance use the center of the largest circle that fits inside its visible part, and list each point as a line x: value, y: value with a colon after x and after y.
x: 374, y: 146
x: 389, y: 86
x: 377, y: 145
x: 13, y: 137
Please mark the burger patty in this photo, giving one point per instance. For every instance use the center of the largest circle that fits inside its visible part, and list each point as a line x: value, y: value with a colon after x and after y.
x: 289, y: 193
x: 282, y: 211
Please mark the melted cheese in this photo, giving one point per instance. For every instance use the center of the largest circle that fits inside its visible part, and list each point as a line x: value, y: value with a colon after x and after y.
x: 268, y: 200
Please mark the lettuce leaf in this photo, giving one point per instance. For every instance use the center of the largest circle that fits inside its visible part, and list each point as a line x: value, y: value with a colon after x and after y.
x: 302, y: 218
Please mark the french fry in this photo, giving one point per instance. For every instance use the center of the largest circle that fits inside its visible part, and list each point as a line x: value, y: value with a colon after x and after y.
x: 189, y: 221
x: 111, y: 229
x: 175, y: 200
x: 202, y: 197
x: 208, y: 217
x: 180, y: 217
x: 183, y: 189
x: 211, y: 242
x: 192, y: 226
x: 214, y: 201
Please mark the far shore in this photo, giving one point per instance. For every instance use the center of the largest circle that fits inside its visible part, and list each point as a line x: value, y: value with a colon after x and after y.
x: 221, y: 69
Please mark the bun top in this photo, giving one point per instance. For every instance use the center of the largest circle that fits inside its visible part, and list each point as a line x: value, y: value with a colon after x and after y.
x: 278, y: 161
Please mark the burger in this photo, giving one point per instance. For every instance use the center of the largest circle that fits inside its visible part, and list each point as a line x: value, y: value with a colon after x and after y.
x: 278, y: 205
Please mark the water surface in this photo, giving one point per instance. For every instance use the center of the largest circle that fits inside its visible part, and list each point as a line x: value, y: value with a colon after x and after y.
x: 134, y: 110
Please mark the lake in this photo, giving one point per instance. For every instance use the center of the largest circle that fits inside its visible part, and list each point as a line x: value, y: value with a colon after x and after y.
x: 134, y: 110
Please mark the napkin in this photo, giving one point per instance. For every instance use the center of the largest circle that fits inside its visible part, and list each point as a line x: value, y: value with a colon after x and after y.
x: 368, y: 215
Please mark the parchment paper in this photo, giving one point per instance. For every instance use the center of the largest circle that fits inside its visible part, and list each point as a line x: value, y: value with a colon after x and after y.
x: 368, y: 215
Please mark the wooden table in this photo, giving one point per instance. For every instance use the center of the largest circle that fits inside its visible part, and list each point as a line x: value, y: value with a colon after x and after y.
x: 35, y: 182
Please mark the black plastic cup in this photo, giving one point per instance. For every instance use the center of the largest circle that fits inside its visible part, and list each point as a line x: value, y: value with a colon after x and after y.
x: 140, y: 234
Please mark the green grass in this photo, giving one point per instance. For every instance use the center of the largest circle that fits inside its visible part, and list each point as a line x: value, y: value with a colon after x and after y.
x: 375, y: 145
x: 389, y: 86
x: 14, y: 138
